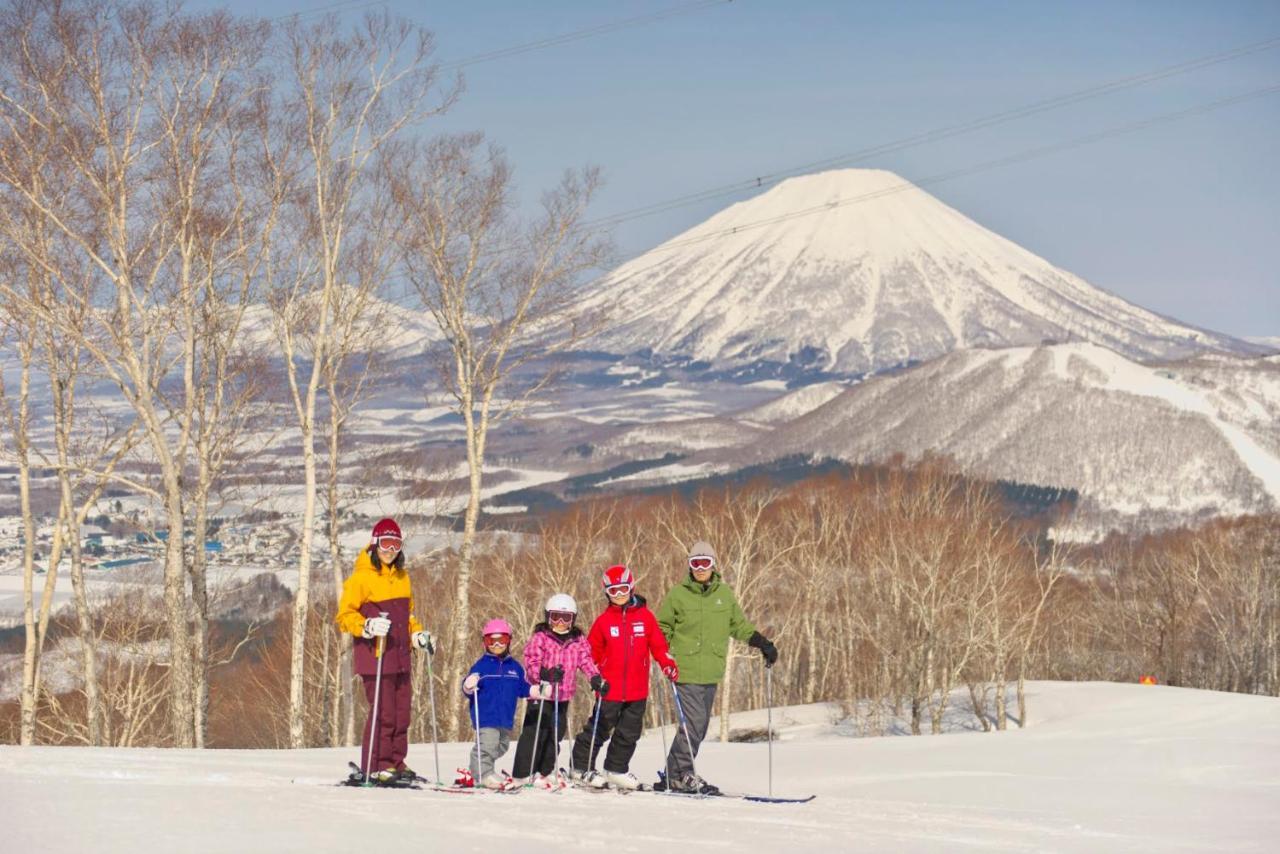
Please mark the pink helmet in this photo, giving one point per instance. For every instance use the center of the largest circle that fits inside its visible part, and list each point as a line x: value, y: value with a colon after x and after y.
x: 497, y: 627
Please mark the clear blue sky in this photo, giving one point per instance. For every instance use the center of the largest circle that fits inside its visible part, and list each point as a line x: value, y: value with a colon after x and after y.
x: 1183, y: 218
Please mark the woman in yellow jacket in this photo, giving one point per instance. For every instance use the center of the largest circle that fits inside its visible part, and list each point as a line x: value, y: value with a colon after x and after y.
x: 380, y: 586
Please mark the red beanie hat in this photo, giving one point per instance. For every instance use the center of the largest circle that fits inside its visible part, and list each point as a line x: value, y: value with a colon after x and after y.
x: 385, y: 528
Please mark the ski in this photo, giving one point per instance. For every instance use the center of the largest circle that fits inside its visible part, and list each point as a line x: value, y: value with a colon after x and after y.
x: 767, y: 799
x: 736, y: 796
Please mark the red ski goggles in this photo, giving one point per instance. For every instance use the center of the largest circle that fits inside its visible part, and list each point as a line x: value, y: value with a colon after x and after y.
x: 497, y: 640
x: 390, y: 544
x: 702, y: 563
x: 617, y: 589
x: 564, y: 618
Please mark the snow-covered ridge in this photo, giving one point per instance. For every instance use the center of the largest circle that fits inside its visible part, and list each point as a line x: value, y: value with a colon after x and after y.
x: 876, y: 273
x: 1179, y: 438
x: 791, y: 405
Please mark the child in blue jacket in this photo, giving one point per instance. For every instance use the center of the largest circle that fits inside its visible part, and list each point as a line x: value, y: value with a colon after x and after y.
x: 493, y: 686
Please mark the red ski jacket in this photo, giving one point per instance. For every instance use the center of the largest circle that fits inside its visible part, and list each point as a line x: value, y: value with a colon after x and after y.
x: 622, y: 640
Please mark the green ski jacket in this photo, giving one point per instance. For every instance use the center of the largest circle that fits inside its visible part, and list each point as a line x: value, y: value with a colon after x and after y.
x: 698, y: 624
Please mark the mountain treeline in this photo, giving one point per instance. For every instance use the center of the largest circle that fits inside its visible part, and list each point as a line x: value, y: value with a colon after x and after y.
x: 886, y: 590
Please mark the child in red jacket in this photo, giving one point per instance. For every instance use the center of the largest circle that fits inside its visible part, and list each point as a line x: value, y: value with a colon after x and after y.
x: 622, y: 640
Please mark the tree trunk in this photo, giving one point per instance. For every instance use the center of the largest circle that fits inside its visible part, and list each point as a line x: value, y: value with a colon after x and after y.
x: 302, y: 599
x: 979, y: 706
x: 88, y: 658
x: 200, y: 614
x: 342, y: 711
x: 462, y: 588
x: 181, y: 713
x: 30, y: 655
x: 726, y: 697
x: 89, y: 662
x: 1002, y: 703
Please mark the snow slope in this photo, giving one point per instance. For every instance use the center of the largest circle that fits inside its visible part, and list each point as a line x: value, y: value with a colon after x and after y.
x: 1181, y: 438
x: 857, y: 270
x: 1101, y: 768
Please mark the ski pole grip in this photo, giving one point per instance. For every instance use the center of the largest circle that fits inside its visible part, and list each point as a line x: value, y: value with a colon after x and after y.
x: 382, y: 641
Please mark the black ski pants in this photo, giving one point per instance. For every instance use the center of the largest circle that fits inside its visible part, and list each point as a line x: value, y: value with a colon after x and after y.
x: 544, y: 762
x: 620, y: 724
x: 696, y: 701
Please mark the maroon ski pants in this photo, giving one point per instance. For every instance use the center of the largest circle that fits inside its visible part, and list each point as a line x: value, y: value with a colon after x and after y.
x: 392, y: 740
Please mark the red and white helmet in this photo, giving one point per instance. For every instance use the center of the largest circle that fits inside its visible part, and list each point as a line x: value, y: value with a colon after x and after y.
x: 617, y: 576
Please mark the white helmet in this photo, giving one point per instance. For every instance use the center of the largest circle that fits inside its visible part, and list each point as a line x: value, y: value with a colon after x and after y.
x: 562, y: 602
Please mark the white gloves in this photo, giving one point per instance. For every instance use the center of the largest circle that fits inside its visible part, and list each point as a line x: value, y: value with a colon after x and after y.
x: 470, y: 684
x: 376, y: 627
x: 540, y: 692
x: 423, y: 640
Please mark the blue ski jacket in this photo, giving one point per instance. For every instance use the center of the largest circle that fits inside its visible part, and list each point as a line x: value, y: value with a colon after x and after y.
x: 501, y: 685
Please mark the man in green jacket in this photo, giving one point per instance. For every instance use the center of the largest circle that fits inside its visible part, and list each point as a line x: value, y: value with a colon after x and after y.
x: 698, y: 617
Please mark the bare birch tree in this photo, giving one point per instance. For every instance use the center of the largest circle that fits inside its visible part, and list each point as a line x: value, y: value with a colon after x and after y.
x: 348, y: 98
x: 492, y: 283
x: 22, y: 335
x: 133, y: 102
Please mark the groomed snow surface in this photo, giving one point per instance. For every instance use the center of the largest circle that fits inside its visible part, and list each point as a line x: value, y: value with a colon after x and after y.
x: 1102, y: 767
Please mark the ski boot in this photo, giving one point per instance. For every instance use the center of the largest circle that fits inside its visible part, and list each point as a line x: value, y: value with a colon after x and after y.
x: 622, y: 780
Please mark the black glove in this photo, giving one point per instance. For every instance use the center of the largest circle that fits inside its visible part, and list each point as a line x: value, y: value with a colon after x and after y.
x: 551, y: 674
x: 767, y: 649
x: 598, y: 685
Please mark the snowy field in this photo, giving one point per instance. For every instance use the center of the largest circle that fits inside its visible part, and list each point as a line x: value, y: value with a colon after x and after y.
x: 1104, y: 767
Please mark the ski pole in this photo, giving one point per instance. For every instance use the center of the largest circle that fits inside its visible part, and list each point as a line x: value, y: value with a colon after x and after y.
x: 475, y: 713
x: 662, y: 728
x: 533, y: 758
x: 595, y: 725
x: 555, y: 727
x: 377, y: 694
x: 684, y: 724
x: 768, y: 701
x: 435, y: 737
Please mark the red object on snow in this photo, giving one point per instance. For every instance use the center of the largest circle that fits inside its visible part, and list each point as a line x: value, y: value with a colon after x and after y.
x: 1148, y: 680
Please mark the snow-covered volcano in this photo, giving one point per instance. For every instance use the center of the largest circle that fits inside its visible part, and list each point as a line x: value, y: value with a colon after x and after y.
x: 858, y: 270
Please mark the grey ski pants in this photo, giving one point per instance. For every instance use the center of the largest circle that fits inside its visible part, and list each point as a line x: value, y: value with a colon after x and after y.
x: 697, y: 701
x: 493, y: 744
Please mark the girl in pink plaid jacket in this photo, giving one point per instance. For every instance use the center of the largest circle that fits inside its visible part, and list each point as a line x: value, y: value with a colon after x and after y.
x: 553, y: 654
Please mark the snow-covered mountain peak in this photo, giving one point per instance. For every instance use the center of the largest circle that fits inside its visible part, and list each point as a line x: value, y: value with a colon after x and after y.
x: 858, y: 270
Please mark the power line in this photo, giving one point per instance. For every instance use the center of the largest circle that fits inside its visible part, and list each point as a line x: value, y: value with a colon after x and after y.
x: 342, y: 6
x: 986, y: 166
x: 551, y: 41
x: 941, y: 133
x: 1020, y: 157
x: 577, y: 35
